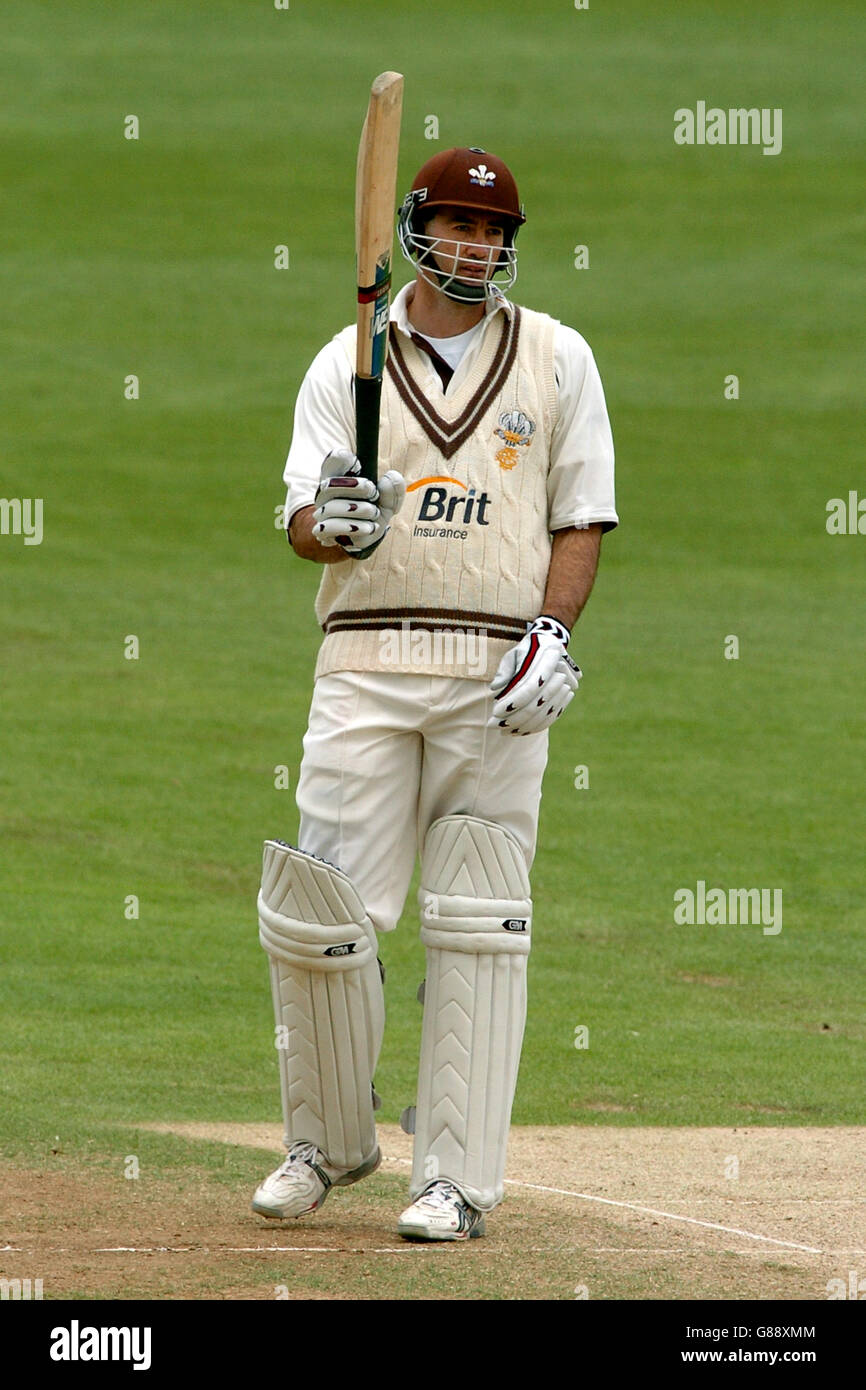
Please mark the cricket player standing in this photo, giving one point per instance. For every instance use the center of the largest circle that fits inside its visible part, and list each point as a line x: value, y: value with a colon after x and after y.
x: 447, y: 601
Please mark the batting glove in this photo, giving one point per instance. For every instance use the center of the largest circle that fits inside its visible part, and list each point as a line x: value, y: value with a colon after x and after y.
x: 352, y: 511
x: 535, y: 681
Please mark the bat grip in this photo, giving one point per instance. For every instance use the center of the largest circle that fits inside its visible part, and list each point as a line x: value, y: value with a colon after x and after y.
x: 368, y: 395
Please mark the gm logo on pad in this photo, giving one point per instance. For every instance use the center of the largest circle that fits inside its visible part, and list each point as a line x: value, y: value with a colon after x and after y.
x: 515, y: 924
x: 341, y: 950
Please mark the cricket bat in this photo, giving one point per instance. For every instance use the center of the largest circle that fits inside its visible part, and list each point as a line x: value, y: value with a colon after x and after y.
x: 375, y: 195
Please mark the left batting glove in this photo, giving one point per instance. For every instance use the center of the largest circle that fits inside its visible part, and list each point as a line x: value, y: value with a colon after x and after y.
x: 535, y: 681
x: 352, y: 511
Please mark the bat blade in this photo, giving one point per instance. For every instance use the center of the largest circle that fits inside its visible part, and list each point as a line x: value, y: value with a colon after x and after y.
x: 375, y: 194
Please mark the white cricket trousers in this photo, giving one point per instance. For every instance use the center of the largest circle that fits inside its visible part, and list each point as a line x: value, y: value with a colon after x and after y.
x: 386, y: 754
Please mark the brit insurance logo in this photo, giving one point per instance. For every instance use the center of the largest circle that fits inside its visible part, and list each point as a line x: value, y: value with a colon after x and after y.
x: 517, y: 430
x: 451, y: 506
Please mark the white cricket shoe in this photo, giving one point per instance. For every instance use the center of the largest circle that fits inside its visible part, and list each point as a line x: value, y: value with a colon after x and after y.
x: 441, y: 1213
x: 303, y: 1181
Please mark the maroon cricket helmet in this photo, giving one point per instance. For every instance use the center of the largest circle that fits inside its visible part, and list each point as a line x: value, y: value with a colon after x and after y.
x: 461, y: 178
x: 468, y: 178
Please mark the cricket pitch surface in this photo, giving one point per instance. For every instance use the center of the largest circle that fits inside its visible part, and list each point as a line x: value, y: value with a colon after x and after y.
x: 590, y: 1212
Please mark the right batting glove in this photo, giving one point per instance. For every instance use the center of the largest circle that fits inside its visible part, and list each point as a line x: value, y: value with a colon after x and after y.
x: 352, y: 511
x: 536, y: 680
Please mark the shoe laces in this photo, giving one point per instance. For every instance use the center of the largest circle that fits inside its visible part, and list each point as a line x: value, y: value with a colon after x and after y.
x: 442, y: 1194
x: 301, y: 1152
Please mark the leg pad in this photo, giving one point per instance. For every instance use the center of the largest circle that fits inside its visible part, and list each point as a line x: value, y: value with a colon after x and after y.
x: 328, y: 1002
x: 476, y: 918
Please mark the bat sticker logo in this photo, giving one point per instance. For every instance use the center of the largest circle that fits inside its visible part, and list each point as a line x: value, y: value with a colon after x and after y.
x: 380, y: 322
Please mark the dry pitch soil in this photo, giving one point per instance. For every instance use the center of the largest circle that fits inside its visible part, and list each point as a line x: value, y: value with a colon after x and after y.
x: 764, y: 1213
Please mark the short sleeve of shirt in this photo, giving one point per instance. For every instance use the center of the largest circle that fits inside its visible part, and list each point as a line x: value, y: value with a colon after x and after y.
x: 324, y: 420
x: 580, y: 481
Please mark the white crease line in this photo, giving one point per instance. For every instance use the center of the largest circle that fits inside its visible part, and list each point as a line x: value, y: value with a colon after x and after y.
x: 511, y: 1182
x: 695, y: 1253
x: 323, y: 1249
x: 668, y: 1216
x: 140, y: 1250
x: 247, y: 1250
x: 687, y: 1254
x: 651, y: 1211
x: 217, y: 1250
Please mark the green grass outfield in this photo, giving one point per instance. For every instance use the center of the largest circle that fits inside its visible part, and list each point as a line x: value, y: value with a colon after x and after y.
x: 155, y: 777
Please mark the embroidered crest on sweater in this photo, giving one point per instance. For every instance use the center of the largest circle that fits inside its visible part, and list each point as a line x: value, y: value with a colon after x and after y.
x: 517, y: 430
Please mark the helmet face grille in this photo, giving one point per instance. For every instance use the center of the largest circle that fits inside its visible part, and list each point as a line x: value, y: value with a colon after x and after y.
x: 446, y: 273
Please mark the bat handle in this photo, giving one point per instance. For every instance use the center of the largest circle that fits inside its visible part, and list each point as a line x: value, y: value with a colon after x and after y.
x: 368, y: 395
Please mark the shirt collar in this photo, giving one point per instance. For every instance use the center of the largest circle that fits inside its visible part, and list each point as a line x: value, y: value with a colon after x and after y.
x: 400, y: 302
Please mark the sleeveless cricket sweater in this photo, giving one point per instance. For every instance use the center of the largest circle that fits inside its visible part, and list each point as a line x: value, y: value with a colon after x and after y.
x: 463, y: 569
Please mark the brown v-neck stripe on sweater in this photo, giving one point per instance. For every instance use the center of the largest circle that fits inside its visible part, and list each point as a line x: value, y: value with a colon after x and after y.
x: 444, y: 369
x: 448, y: 435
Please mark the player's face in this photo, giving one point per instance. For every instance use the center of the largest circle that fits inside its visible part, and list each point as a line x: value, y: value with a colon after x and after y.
x: 466, y: 243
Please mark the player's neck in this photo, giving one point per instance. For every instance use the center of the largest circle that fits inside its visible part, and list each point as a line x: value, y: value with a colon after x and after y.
x: 434, y: 315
